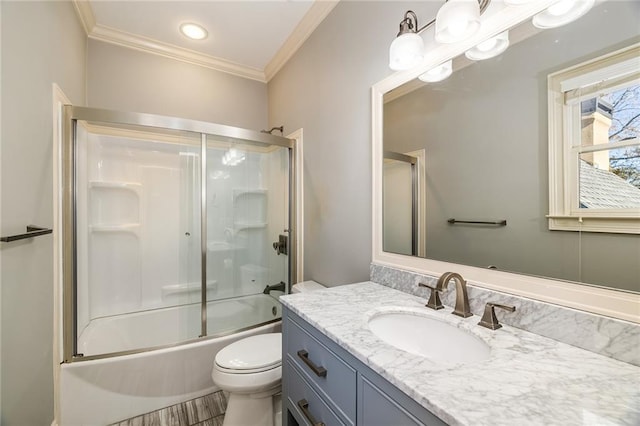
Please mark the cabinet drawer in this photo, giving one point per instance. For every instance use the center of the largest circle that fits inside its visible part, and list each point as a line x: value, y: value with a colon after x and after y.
x: 335, y: 380
x: 308, y: 406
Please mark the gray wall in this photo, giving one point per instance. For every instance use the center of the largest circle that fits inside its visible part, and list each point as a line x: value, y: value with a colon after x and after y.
x: 495, y: 165
x: 325, y: 88
x: 42, y: 43
x: 129, y: 80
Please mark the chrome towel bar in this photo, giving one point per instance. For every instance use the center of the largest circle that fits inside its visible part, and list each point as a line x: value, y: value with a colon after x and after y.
x: 32, y: 231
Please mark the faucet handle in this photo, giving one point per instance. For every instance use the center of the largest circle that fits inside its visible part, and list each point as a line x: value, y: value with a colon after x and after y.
x: 489, y: 319
x: 434, y: 298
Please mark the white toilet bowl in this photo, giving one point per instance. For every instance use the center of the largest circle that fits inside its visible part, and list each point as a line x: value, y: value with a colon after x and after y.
x: 251, y: 371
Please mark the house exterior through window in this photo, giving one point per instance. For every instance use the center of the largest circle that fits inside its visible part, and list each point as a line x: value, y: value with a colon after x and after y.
x: 594, y: 145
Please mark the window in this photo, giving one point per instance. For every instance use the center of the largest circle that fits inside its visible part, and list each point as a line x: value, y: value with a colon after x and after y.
x: 594, y: 145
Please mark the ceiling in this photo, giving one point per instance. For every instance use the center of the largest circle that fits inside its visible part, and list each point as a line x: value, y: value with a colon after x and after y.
x: 248, y: 38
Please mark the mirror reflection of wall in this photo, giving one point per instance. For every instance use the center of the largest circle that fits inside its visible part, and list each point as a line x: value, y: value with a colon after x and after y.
x: 486, y: 132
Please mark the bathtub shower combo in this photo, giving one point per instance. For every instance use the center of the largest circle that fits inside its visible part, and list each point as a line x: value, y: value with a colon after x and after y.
x: 175, y: 243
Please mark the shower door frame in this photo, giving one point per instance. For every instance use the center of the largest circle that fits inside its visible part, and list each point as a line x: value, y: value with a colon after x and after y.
x: 71, y: 116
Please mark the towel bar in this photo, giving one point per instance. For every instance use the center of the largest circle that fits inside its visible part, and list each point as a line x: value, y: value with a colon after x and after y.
x: 32, y: 231
x: 479, y: 222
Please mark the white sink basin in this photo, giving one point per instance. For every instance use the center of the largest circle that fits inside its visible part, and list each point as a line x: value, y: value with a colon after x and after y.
x: 429, y: 337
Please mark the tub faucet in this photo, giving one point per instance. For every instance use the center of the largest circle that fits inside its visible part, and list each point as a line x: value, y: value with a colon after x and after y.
x: 462, y: 299
x: 279, y: 287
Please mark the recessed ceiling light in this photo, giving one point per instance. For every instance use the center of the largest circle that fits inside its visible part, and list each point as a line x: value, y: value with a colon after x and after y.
x: 193, y: 31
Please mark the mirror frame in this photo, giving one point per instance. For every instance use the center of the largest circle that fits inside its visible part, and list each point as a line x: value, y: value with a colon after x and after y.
x: 604, y: 301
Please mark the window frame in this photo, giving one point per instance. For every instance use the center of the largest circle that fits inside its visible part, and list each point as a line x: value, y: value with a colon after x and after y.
x: 565, y: 128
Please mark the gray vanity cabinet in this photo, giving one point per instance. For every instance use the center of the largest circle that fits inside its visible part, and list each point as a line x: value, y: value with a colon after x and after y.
x: 323, y: 384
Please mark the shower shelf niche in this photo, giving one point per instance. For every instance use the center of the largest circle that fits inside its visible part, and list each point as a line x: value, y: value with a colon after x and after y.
x: 131, y: 186
x: 220, y: 246
x: 240, y: 225
x: 114, y: 205
x: 133, y: 228
x: 237, y: 193
x: 186, y: 288
x: 250, y: 208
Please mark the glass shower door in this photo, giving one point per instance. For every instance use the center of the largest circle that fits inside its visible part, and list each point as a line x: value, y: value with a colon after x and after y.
x: 247, y: 187
x: 138, y: 237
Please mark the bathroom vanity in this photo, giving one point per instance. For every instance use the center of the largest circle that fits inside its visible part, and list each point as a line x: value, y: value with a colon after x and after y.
x: 337, y: 371
x: 325, y: 383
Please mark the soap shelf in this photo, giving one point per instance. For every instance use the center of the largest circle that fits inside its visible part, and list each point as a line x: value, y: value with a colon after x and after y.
x: 237, y: 193
x: 127, y: 227
x: 249, y: 225
x: 220, y: 246
x: 186, y: 287
x: 131, y: 186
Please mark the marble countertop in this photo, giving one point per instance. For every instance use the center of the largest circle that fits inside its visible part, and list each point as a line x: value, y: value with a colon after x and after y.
x: 528, y: 379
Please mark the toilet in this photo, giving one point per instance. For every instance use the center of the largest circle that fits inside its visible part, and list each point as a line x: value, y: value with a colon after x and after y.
x: 251, y: 371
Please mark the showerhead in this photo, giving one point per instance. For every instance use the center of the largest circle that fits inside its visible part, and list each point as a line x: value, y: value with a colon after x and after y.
x: 280, y: 129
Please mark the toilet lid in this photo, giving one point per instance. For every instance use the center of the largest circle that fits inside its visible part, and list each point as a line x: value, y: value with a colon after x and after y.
x: 263, y: 351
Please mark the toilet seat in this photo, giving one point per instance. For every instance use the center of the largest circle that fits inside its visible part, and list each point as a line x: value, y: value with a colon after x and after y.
x: 253, y: 354
x: 250, y: 366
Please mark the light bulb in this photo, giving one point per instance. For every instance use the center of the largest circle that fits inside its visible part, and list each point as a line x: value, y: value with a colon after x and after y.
x: 560, y: 8
x: 406, y: 51
x: 438, y: 73
x: 457, y: 20
x: 517, y: 2
x: 487, y: 45
x: 561, y: 13
x: 489, y: 48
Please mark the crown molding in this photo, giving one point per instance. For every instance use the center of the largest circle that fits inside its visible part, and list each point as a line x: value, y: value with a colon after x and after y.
x: 144, y: 44
x: 316, y: 14
x: 85, y: 14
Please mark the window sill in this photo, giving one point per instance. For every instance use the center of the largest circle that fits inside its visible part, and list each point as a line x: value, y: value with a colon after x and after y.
x: 609, y: 224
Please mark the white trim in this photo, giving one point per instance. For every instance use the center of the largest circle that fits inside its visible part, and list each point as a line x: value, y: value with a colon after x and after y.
x: 85, y: 14
x: 600, y: 74
x: 617, y: 304
x: 58, y: 100
x: 316, y: 14
x: 299, y: 184
x: 148, y: 45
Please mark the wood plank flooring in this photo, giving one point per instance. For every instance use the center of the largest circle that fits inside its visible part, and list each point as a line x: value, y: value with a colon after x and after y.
x: 204, y: 411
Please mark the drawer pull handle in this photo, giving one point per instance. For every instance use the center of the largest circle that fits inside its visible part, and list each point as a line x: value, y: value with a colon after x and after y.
x: 304, y: 406
x: 319, y: 370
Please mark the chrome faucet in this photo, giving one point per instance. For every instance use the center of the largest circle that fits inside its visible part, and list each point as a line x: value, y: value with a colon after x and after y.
x: 462, y: 299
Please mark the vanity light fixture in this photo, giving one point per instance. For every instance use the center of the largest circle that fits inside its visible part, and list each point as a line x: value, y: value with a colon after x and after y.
x: 517, y: 2
x: 193, y: 31
x: 407, y: 50
x: 562, y: 12
x: 456, y: 20
x: 489, y: 48
x: 438, y: 73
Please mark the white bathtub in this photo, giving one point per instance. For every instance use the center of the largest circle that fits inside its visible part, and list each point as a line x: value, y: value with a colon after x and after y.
x: 103, y: 391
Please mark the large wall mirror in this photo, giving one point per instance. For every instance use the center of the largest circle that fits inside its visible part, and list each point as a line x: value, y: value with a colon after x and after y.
x: 483, y: 134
